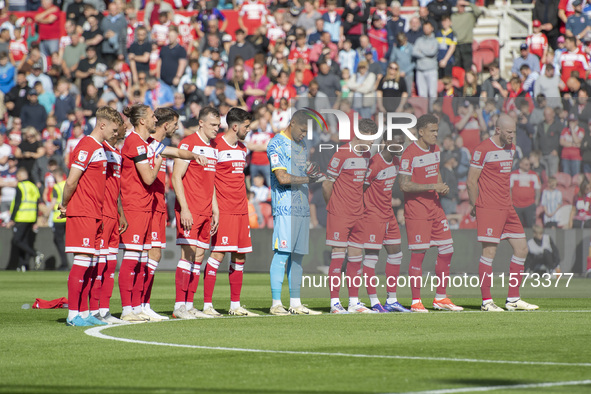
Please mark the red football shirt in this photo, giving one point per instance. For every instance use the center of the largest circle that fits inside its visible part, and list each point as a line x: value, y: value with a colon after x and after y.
x: 87, y: 200
x: 135, y: 194
x: 378, y: 197
x: 229, y: 176
x: 159, y: 186
x: 573, y: 61
x: 347, y: 168
x: 199, y: 180
x: 523, y: 188
x: 582, y: 205
x: 494, y: 184
x: 571, y: 152
x: 423, y: 167
x: 113, y: 183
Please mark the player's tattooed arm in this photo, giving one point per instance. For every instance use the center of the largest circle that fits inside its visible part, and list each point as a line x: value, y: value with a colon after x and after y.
x: 408, y: 186
x: 284, y: 178
x: 472, y: 185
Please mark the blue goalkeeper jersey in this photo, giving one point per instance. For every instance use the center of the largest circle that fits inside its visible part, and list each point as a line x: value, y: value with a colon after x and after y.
x: 284, y: 153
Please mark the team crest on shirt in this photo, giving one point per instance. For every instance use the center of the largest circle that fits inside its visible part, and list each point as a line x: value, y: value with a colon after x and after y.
x: 141, y: 150
x: 224, y: 240
x: 404, y: 164
x: 477, y: 155
x: 136, y: 239
x: 154, y: 236
x: 335, y: 162
x: 184, y: 147
x: 283, y: 244
x: 372, y: 238
x: 336, y: 236
x: 489, y: 231
x: 82, y: 155
x: 418, y: 238
x: 86, y: 242
x: 274, y: 158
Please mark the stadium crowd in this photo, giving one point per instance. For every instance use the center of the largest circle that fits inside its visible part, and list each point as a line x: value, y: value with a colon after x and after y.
x: 60, y: 62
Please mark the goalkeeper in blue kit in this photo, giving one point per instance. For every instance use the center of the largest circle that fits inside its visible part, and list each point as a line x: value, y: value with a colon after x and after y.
x: 291, y: 212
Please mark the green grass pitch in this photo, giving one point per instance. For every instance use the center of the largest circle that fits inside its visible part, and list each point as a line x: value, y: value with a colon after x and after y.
x: 394, y: 352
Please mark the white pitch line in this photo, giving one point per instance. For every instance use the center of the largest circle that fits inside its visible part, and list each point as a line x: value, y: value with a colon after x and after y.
x: 97, y: 333
x: 506, y: 387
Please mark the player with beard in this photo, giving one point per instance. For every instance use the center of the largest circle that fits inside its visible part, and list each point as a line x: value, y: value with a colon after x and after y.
x: 233, y: 234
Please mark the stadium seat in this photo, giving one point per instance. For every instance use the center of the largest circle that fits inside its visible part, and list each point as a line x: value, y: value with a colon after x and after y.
x: 563, y: 179
x: 475, y: 46
x: 487, y: 55
x: 267, y: 212
x: 492, y: 44
x: 577, y: 179
x: 458, y: 73
x: 477, y: 61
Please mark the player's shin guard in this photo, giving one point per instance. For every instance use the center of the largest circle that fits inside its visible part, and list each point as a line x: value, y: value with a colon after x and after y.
x: 235, y: 277
x: 442, y: 269
x: 96, y: 281
x: 334, y: 273
x: 415, y: 273
x: 76, y: 281
x: 354, y: 280
x: 294, y: 275
x: 149, y: 280
x: 209, y: 277
x: 108, y: 281
x: 194, y: 281
x: 138, y: 284
x: 277, y: 273
x: 515, y: 276
x: 392, y: 273
x: 485, y: 275
x: 181, y: 280
x: 369, y: 272
x: 129, y: 266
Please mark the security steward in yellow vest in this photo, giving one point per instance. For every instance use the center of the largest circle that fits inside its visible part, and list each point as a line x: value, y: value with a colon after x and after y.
x: 23, y: 217
x: 59, y: 223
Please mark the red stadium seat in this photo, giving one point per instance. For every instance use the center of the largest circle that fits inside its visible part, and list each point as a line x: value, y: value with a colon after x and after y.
x: 458, y: 73
x: 475, y: 46
x: 487, y: 55
x: 492, y: 44
x: 577, y: 179
x: 439, y: 86
x: 267, y: 212
x: 563, y: 179
x: 477, y: 61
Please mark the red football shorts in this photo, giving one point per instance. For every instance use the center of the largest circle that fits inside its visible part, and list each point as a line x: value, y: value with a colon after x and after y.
x: 343, y: 231
x: 424, y: 233
x: 138, y: 234
x: 376, y: 234
x: 158, y: 227
x: 198, y: 235
x: 233, y: 234
x: 110, y: 236
x: 497, y: 224
x: 83, y: 235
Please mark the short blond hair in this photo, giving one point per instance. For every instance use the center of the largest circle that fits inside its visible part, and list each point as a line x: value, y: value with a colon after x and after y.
x: 109, y: 114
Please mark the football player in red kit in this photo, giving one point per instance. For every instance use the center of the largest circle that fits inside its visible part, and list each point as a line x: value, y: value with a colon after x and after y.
x: 233, y: 233
x: 426, y: 223
x: 489, y: 189
x: 82, y: 204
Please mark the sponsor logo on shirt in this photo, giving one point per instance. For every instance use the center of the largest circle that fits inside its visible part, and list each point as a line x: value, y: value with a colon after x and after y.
x: 404, y: 164
x: 335, y: 162
x: 141, y: 150
x: 184, y: 147
x: 82, y: 155
x: 477, y: 155
x: 274, y: 159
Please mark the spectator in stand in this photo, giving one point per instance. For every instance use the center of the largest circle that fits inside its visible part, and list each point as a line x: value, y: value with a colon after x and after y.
x: 308, y: 17
x: 158, y: 94
x: 262, y: 193
x: 38, y: 76
x: 362, y: 90
x: 537, y: 42
x: 5, y: 42
x: 464, y: 160
x: 580, y: 215
x: 73, y: 53
x: 72, y: 142
x: 471, y: 90
x: 91, y: 70
x: 48, y: 19
x: 560, y: 49
x: 378, y: 38
x: 242, y: 48
x: 449, y: 201
x: 7, y: 73
x: 551, y: 202
x: 526, y: 58
x: 173, y: 60
x: 515, y: 95
x: 578, y: 25
x: 257, y: 87
x: 33, y: 114
x: 582, y: 106
x: 5, y: 152
x: 52, y: 132
x: 470, y: 124
x: 536, y: 166
x: 75, y: 12
x: 548, y: 84
x: 543, y: 256
x: 281, y: 116
x: 16, y: 97
x: 446, y: 38
x: 152, y: 11
x: 425, y: 50
x: 348, y: 56
x: 18, y: 47
x: 328, y: 83
x: 528, y: 79
x: 525, y: 129
x: 65, y: 101
x: 402, y: 55
x: 395, y: 24
x: 7, y: 187
x: 437, y: 10
x: 114, y: 27
x: 570, y: 141
x: 415, y: 30
x: 546, y: 11
x: 281, y: 89
x: 463, y: 24
x: 573, y: 60
x: 31, y: 148
x: 354, y: 18
x: 525, y: 191
x: 251, y: 14
x: 256, y: 142
x: 392, y: 92
x: 139, y: 53
x: 332, y: 21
